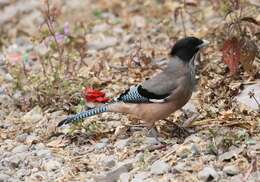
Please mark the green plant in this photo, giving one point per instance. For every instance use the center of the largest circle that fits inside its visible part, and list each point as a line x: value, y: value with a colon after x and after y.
x: 57, y: 83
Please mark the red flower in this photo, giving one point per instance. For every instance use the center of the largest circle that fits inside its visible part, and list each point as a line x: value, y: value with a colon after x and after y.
x: 92, y: 95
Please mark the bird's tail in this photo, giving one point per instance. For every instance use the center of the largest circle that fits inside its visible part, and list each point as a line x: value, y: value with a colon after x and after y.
x: 84, y: 114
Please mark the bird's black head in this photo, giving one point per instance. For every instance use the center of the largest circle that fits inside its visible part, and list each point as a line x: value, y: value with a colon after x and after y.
x: 187, y: 47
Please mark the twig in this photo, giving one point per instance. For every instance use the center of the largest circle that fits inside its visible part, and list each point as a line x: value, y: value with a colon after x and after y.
x: 182, y: 22
x: 188, y: 122
x: 252, y: 95
x: 252, y: 168
x: 48, y: 22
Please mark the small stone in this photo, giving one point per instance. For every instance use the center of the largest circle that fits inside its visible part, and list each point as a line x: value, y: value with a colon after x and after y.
x: 15, y: 160
x: 228, y: 155
x: 21, y: 138
x: 34, y: 115
x: 124, y: 177
x: 209, y: 157
x: 194, y: 149
x: 180, y: 166
x: 138, y: 21
x: 4, y: 177
x: 39, y: 176
x: 207, y: 174
x: 20, y: 148
x: 245, y: 99
x: 251, y: 142
x: 120, y: 144
x: 43, y: 153
x: 104, y: 140
x: 137, y: 180
x: 160, y: 167
x: 151, y: 141
x: 114, y: 174
x: 22, y: 173
x: 139, y: 156
x: 32, y: 139
x: 52, y: 165
x: 255, y: 176
x: 183, y: 151
x: 39, y: 146
x: 101, y: 28
x: 17, y: 95
x: 103, y: 44
x: 231, y: 170
x: 190, y: 106
x: 99, y: 146
x: 237, y: 178
x: 109, y: 161
x: 141, y: 176
x: 8, y: 77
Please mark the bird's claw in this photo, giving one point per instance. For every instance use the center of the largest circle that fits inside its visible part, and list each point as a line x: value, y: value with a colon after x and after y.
x: 180, y: 131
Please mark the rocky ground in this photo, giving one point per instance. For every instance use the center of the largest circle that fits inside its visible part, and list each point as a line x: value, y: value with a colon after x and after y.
x: 224, y: 143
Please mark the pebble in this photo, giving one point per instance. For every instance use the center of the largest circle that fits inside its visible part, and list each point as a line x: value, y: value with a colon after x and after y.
x: 22, y: 173
x: 4, y: 177
x: 180, y: 166
x: 103, y: 44
x: 195, y: 149
x: 160, y: 167
x: 104, y: 140
x: 139, y: 156
x: 21, y: 138
x: 52, y: 165
x: 109, y: 161
x: 20, y: 148
x: 31, y: 139
x: 15, y: 160
x: 151, y: 141
x: 137, y: 180
x: 183, y: 151
x: 34, y: 115
x: 244, y: 98
x: 100, y: 28
x: 120, y: 144
x: 114, y: 174
x: 142, y: 175
x: 207, y: 174
x: 124, y: 177
x: 254, y: 177
x: 43, y: 153
x: 99, y: 146
x: 231, y: 170
x: 230, y: 154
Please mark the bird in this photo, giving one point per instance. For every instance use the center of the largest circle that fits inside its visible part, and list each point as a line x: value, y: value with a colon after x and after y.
x: 158, y: 97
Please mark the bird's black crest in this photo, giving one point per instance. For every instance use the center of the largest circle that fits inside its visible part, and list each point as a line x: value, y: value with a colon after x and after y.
x: 186, y: 48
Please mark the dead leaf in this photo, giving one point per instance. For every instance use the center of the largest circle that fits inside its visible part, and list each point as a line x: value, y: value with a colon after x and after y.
x: 250, y: 20
x: 58, y: 142
x: 231, y: 54
x: 248, y: 54
x: 191, y: 2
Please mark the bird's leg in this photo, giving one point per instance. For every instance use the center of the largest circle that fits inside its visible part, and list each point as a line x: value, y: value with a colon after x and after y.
x: 152, y: 132
x: 189, y: 121
x: 178, y: 131
x: 190, y: 117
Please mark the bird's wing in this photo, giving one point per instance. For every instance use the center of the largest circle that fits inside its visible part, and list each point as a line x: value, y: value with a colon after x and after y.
x: 159, y: 87
x: 137, y: 94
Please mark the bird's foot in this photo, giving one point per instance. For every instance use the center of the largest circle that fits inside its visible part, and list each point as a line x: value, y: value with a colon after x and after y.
x: 177, y: 130
x: 152, y: 132
x: 180, y: 131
